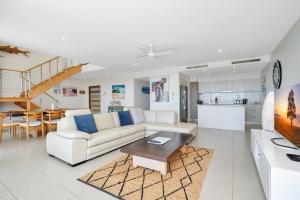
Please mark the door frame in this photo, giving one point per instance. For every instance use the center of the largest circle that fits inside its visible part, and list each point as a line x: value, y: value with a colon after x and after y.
x: 95, y: 86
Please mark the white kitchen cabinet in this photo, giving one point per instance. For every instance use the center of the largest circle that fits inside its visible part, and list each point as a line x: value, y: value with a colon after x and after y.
x: 238, y: 85
x: 209, y: 86
x: 226, y: 85
x: 253, y: 114
x: 202, y: 86
x: 252, y: 85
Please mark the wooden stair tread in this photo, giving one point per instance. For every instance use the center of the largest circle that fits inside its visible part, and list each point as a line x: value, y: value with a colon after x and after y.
x: 14, y: 99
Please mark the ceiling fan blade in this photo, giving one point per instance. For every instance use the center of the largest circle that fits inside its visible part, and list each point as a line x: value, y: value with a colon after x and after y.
x: 164, y: 52
x: 142, y: 56
x: 143, y: 50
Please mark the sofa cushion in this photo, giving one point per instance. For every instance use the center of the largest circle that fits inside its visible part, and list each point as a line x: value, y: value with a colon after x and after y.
x: 104, y: 121
x: 116, y: 119
x: 168, y: 117
x: 86, y: 123
x: 114, y: 134
x: 71, y: 113
x: 67, y: 123
x: 137, y: 115
x: 125, y: 118
x: 74, y: 134
x: 150, y: 116
x: 177, y: 128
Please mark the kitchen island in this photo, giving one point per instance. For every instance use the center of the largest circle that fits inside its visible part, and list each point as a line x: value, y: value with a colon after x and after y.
x: 222, y: 116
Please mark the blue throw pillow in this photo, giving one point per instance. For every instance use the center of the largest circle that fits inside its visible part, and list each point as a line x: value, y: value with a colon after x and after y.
x: 86, y: 123
x: 125, y: 118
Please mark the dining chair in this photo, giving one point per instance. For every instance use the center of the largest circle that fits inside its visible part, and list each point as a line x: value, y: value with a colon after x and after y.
x: 34, y: 122
x: 5, y: 122
x: 51, y: 118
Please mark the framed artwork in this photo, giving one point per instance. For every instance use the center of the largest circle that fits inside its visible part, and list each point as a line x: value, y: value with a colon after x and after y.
x: 146, y: 90
x: 160, y: 89
x: 118, y: 91
x: 69, y: 91
x: 57, y: 90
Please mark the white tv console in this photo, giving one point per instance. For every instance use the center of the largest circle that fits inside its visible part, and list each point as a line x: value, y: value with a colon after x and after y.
x: 280, y: 177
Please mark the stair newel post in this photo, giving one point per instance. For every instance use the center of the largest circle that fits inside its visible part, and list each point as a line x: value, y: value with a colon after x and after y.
x: 22, y: 82
x: 49, y: 70
x: 66, y: 64
x: 41, y: 71
x: 29, y: 80
x: 26, y: 83
x: 56, y: 65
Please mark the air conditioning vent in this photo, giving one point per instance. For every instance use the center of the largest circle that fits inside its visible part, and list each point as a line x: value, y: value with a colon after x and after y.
x: 245, y: 61
x: 197, y: 67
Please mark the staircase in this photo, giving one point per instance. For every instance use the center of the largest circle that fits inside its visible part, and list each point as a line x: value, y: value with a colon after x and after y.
x: 20, y: 87
x: 23, y: 105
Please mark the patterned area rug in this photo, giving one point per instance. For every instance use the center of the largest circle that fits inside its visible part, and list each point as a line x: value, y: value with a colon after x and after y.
x: 183, y: 181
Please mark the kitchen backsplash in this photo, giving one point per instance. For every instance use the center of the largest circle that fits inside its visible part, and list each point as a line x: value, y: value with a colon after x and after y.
x: 229, y: 97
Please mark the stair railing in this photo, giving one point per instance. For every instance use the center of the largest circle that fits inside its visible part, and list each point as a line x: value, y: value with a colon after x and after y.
x: 32, y: 85
x: 15, y: 82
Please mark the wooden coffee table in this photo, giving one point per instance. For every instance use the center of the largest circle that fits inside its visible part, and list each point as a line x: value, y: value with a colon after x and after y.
x: 156, y: 156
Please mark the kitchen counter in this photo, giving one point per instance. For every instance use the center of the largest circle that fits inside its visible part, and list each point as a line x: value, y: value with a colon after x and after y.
x: 218, y: 116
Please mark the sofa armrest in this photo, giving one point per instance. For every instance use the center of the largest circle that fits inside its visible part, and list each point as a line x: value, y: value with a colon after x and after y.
x: 74, y: 134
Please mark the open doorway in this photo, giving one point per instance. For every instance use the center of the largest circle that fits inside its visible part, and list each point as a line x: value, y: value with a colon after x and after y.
x: 142, y: 93
x: 95, y: 98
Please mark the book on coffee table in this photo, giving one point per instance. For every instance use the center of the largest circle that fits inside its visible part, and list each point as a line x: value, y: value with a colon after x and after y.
x: 159, y: 140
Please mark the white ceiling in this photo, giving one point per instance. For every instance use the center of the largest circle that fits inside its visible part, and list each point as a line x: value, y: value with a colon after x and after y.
x: 106, y: 33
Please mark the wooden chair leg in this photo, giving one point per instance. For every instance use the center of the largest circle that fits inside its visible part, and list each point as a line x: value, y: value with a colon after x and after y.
x: 0, y: 134
x: 20, y: 133
x: 27, y: 134
x: 43, y: 132
x: 14, y: 131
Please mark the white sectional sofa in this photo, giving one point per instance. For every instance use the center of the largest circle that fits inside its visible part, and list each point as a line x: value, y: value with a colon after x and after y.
x: 74, y: 147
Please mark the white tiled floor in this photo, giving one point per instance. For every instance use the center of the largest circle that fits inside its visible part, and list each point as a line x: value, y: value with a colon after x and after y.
x: 27, y: 172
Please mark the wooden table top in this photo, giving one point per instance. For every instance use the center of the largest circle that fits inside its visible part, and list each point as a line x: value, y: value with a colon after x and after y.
x: 156, y: 151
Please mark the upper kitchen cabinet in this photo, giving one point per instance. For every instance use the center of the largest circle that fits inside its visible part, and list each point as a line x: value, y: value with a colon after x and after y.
x: 238, y: 85
x: 252, y: 85
x: 209, y: 86
x: 226, y: 85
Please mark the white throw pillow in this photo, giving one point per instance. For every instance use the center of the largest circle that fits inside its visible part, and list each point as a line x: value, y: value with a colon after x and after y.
x: 104, y: 121
x: 137, y: 115
x: 150, y: 116
x: 116, y: 119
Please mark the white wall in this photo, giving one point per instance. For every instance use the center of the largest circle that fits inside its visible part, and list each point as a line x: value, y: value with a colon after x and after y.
x: 141, y: 100
x: 128, y: 80
x: 288, y: 53
x: 8, y: 106
x: 21, y: 62
x: 79, y: 101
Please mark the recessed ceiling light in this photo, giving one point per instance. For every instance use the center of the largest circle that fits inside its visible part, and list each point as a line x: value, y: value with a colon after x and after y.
x: 63, y: 38
x: 233, y: 71
x: 220, y: 50
x: 135, y: 64
x: 106, y: 73
x: 204, y: 70
x: 233, y: 66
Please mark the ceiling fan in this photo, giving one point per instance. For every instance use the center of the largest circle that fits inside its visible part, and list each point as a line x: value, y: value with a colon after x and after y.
x: 151, y: 52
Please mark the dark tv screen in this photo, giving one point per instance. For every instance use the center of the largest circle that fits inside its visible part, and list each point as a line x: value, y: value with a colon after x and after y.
x: 287, y: 113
